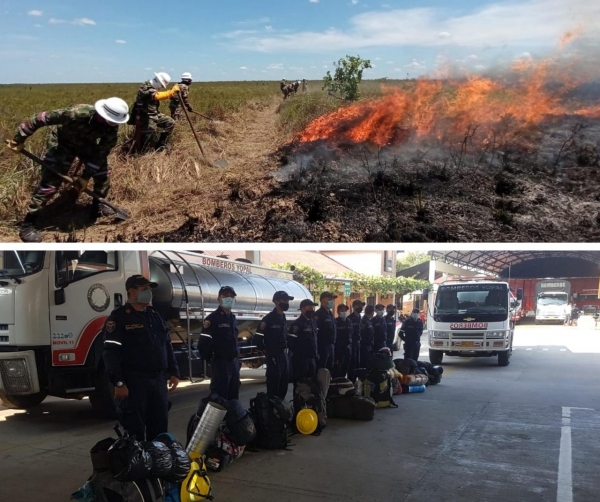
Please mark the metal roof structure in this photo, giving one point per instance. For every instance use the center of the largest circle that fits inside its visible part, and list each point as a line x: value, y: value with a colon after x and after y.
x: 499, y: 261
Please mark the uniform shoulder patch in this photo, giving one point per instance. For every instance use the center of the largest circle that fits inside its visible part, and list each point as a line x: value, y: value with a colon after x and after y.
x: 110, y: 326
x: 206, y: 323
x: 263, y: 325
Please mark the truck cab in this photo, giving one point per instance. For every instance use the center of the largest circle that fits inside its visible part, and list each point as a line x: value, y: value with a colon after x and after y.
x: 470, y: 318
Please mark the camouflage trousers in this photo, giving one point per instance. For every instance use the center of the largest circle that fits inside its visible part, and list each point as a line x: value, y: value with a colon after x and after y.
x: 157, y: 129
x: 61, y: 160
x: 176, y: 112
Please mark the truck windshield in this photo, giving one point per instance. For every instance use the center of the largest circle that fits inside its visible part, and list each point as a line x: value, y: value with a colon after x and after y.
x: 552, y: 300
x: 20, y: 263
x: 482, y: 301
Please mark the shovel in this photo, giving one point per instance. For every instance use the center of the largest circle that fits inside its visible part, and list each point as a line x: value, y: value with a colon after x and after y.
x: 120, y: 213
x: 216, y: 163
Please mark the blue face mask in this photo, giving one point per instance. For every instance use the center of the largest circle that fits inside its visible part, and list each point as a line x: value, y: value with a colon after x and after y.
x: 144, y: 296
x: 330, y: 303
x: 228, y: 303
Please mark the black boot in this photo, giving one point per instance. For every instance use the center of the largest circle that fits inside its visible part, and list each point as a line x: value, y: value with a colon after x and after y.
x: 28, y: 232
x: 100, y: 210
x: 162, y: 142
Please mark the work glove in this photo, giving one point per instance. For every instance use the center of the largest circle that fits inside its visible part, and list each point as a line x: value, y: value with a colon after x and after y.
x: 81, y: 184
x: 190, y: 109
x: 14, y: 146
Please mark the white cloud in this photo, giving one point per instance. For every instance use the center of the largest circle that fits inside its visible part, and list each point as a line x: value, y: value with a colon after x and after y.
x: 243, y: 68
x: 389, y: 62
x: 268, y: 27
x: 53, y: 20
x: 120, y: 41
x: 473, y: 57
x: 416, y: 65
x: 354, y: 2
x: 480, y: 67
x: 506, y: 22
x: 82, y: 21
x: 147, y: 69
x: 261, y: 20
x: 37, y: 26
x: 275, y: 66
x: 313, y: 1
x: 35, y: 13
x: 525, y: 56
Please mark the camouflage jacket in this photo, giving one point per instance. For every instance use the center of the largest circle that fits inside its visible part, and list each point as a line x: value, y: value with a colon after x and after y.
x: 145, y: 99
x: 185, y: 93
x: 77, y: 131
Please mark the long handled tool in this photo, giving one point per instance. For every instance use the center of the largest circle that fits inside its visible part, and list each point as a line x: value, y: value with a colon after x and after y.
x: 207, y: 117
x: 120, y: 213
x: 217, y: 163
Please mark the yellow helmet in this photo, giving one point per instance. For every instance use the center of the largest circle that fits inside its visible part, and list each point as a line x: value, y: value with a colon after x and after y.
x: 196, y: 487
x: 307, y: 421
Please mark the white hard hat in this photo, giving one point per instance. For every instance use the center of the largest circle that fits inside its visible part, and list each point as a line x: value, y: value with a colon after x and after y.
x: 186, y: 76
x: 161, y: 80
x: 113, y: 110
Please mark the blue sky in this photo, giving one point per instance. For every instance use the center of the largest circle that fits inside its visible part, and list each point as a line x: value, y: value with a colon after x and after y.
x: 125, y: 41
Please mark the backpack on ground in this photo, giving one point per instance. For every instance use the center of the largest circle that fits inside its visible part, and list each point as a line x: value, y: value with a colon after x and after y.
x: 239, y: 426
x: 378, y: 387
x: 340, y: 387
x: 271, y: 431
x: 380, y: 361
x: 308, y: 394
x: 222, y: 454
x: 406, y: 366
x: 351, y: 408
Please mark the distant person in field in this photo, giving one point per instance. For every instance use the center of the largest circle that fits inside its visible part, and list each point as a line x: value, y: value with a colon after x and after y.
x: 184, y: 88
x: 282, y: 84
x: 304, y: 85
x: 88, y: 132
x: 153, y: 127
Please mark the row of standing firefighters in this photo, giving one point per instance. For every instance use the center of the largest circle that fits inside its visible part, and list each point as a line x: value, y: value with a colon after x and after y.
x: 90, y: 132
x: 139, y: 359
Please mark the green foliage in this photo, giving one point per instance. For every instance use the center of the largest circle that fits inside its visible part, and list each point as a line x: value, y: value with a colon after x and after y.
x: 347, y: 78
x: 316, y: 283
x: 410, y: 260
x: 383, y: 285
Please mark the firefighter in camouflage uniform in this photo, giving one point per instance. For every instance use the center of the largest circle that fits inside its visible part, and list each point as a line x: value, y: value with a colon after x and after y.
x: 88, y: 132
x: 153, y: 127
x: 184, y: 88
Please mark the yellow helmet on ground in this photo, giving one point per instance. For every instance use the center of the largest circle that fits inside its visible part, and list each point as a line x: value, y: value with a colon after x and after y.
x: 307, y: 421
x: 196, y: 487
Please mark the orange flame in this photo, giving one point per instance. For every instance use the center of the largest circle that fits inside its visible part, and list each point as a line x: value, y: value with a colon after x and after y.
x: 449, y: 108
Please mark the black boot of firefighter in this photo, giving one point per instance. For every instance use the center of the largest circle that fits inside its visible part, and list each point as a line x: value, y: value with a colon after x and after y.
x: 28, y: 232
x: 100, y: 210
x: 161, y: 145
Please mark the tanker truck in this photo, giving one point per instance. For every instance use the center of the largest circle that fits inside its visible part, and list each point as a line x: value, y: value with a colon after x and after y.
x: 53, y: 305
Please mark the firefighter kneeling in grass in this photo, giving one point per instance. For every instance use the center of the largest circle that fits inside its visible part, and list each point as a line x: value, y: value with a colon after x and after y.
x: 88, y: 132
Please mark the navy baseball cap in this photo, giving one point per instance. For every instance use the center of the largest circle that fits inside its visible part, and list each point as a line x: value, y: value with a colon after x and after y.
x: 327, y: 294
x: 306, y: 303
x: 227, y: 289
x: 135, y: 281
x: 282, y: 295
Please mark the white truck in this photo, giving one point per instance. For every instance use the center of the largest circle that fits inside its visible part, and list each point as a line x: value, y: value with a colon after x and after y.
x: 53, y: 305
x: 470, y: 318
x: 551, y: 300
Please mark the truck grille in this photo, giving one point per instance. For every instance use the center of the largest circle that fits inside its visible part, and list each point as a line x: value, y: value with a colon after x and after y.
x: 14, y: 376
x: 467, y: 336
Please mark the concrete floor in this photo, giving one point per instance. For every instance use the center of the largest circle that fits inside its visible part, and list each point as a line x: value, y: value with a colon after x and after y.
x: 485, y: 433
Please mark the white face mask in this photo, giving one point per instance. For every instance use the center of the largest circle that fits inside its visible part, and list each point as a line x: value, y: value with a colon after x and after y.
x: 228, y: 303
x: 415, y: 316
x: 343, y: 315
x: 379, y: 313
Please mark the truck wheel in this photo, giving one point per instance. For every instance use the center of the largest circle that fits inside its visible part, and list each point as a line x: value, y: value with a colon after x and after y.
x: 21, y: 402
x: 436, y: 357
x: 101, y: 399
x: 504, y: 358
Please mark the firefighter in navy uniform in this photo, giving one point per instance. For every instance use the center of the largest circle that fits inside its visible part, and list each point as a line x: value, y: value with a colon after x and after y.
x: 343, y: 342
x: 219, y: 344
x: 272, y: 335
x: 357, y: 308
x: 390, y: 322
x: 327, y: 331
x: 303, y: 343
x: 412, y: 329
x: 366, y: 334
x: 139, y: 362
x: 379, y: 328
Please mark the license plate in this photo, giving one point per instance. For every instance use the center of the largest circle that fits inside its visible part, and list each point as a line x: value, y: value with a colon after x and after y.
x: 467, y: 344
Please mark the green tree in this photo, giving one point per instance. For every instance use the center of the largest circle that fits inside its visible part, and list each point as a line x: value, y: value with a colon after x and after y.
x: 410, y: 260
x: 347, y: 77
